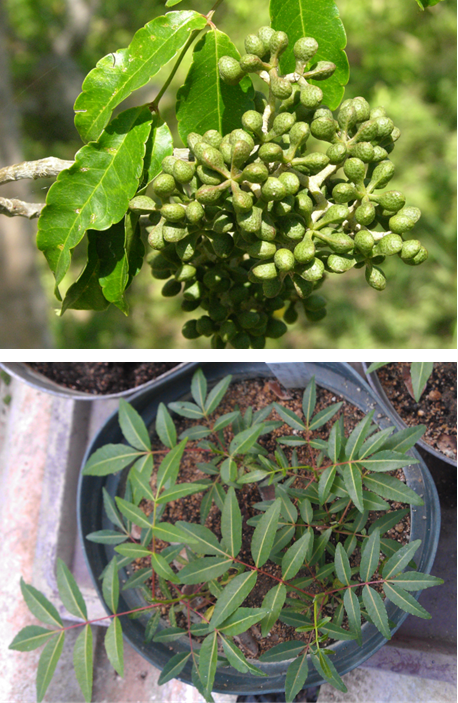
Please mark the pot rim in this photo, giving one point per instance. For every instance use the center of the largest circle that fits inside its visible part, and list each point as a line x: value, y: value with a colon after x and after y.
x: 372, y: 639
x: 37, y: 380
x: 376, y: 386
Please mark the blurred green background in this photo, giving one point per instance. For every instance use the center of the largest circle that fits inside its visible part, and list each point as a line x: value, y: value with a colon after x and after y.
x: 400, y: 57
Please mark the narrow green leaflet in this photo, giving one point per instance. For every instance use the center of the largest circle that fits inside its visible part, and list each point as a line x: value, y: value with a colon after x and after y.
x: 158, y: 146
x: 294, y: 557
x: 216, y: 394
x: 139, y: 477
x: 205, y: 101
x: 114, y: 646
x: 328, y: 671
x: 319, y: 545
x: 137, y: 578
x: 133, y: 551
x: 233, y: 596
x: 40, y: 606
x: 171, y: 3
x: 224, y: 420
x: 264, y: 534
x: 354, y: 485
x: 190, y: 410
x: 109, y: 459
x: 204, y: 570
x: 342, y: 565
x: 170, y: 533
x: 31, y: 637
x: 353, y: 610
x: 47, y: 664
x: 117, y: 75
x: 296, y: 677
x: 291, y: 419
x: 241, y: 620
x: 86, y: 293
x: 376, y: 610
x: 133, y: 427
x: 208, y: 656
x: 371, y: 501
x: 377, y: 365
x: 387, y: 521
x: 405, y: 439
x: 325, y: 483
x: 357, y: 437
x: 375, y: 442
x: 69, y: 592
x: 387, y: 461
x: 414, y: 581
x: 152, y: 625
x: 392, y: 489
x: 309, y: 400
x: 132, y: 513
x: 243, y: 441
x: 273, y: 602
x: 110, y: 585
x: 173, y: 667
x: 205, y: 541
x: 324, y: 416
x: 82, y: 662
x: 165, y: 427
x: 423, y: 4
x: 399, y: 561
x: 285, y: 650
x: 199, y: 388
x: 420, y: 371
x: 231, y: 523
x: 95, y: 191
x: 336, y: 632
x: 170, y: 634
x: 320, y: 20
x: 179, y: 491
x: 196, y: 432
x: 288, y: 509
x: 370, y: 555
x: 161, y: 567
x: 170, y: 466
x: 405, y: 601
x: 235, y: 656
x: 110, y: 508
x: 306, y: 511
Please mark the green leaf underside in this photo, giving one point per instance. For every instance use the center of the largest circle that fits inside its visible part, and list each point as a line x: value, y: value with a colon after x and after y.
x: 114, y: 646
x: 94, y: 192
x: 110, y: 459
x: 47, y: 664
x: 320, y: 20
x: 273, y: 601
x: 205, y: 101
x: 69, y: 592
x: 118, y: 74
x: 110, y: 585
x: 31, y: 637
x: 40, y: 606
x: 405, y: 601
x: 296, y: 677
x: 376, y: 610
x: 233, y: 596
x: 420, y: 371
x: 173, y: 667
x: 82, y: 662
x: 133, y: 427
x: 264, y: 534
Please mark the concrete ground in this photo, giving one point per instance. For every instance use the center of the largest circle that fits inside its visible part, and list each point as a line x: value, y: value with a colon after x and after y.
x: 25, y: 426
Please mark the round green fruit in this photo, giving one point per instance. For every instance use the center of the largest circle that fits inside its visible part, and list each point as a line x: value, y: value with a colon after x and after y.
x: 311, y: 96
x: 375, y: 277
x: 189, y: 330
x: 229, y: 70
x: 305, y: 49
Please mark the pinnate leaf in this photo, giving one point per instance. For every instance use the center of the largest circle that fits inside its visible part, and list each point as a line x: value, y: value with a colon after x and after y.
x: 325, y: 483
x: 387, y: 461
x: 114, y: 646
x: 320, y: 19
x: 69, y: 592
x: 161, y: 567
x: 132, y: 513
x: 235, y: 656
x: 95, y: 191
x: 133, y: 427
x: 47, y: 664
x: 82, y: 662
x: 357, y: 437
x: 133, y: 551
x: 204, y: 539
x: 243, y: 441
x: 273, y: 602
x: 117, y: 75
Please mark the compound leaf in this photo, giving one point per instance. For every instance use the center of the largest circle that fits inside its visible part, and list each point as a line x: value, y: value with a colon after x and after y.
x: 319, y: 19
x: 95, y: 191
x: 117, y: 75
x: 205, y: 101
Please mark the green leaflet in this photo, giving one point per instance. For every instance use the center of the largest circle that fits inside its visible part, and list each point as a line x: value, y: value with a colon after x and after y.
x: 405, y: 439
x: 40, y: 606
x: 353, y: 484
x: 235, y: 656
x: 69, y: 592
x: 351, y: 604
x: 86, y: 293
x: 114, y: 646
x: 170, y: 634
x: 179, y: 491
x: 357, y: 437
x: 423, y: 4
x: 47, y: 664
x: 325, y: 483
x: 285, y: 650
x: 294, y: 557
x: 264, y: 534
x: 199, y: 388
x: 110, y: 585
x: 161, y: 567
x: 309, y: 400
x: 158, y: 146
x: 296, y: 677
x: 95, y: 191
x: 133, y: 427
x: 342, y: 565
x: 208, y: 656
x: 117, y: 75
x: 165, y: 427
x: 202, y: 537
x: 110, y: 459
x: 273, y: 601
x: 324, y: 416
x: 328, y: 671
x: 233, y: 596
x: 414, y: 581
x: 133, y: 551
x: 231, y: 523
x: 170, y: 466
x: 204, y: 570
x: 216, y: 395
x: 173, y: 667
x: 370, y: 555
x: 31, y: 637
x: 205, y: 101
x: 242, y: 620
x: 400, y: 559
x: 243, y: 441
x: 387, y: 461
x: 320, y: 19
x: 376, y: 610
x: 392, y: 489
x: 132, y: 513
x: 405, y: 601
x: 420, y: 371
x: 386, y: 522
x: 290, y: 417
x: 82, y: 662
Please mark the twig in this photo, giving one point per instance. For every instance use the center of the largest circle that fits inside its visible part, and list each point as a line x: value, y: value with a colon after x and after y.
x: 43, y: 168
x: 14, y: 208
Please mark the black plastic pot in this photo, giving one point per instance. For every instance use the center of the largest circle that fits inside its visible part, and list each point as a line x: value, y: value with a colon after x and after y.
x: 377, y: 387
x: 338, y: 378
x: 41, y: 383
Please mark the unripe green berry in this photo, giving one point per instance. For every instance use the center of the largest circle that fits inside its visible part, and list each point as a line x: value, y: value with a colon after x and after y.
x: 362, y: 109
x: 205, y: 326
x: 301, y: 287
x: 271, y: 153
x: 382, y: 174
x: 390, y: 244
x: 185, y: 273
x: 275, y: 328
x: 255, y: 173
x: 378, y: 112
x: 193, y: 139
x: 213, y: 278
x: 208, y: 195
x: 189, y: 305
x: 311, y: 96
x: 265, y: 34
x: 338, y: 242
x: 240, y: 153
x: 248, y: 319
x: 283, y: 123
x: 304, y: 205
x: 173, y: 212
x: 419, y: 257
x: 315, y: 315
x: 278, y: 43
x: 291, y: 315
x: 228, y: 330
x: 183, y: 171
x: 194, y: 292
x: 335, y: 214
x: 293, y: 226
x: 344, y: 192
x: 194, y: 212
x: 347, y: 117
x: 261, y: 249
x: 375, y: 277
x: 213, y: 137
x: 229, y: 70
x: 413, y: 213
x: 305, y: 48
x: 314, y: 303
x: 367, y: 131
x: 173, y: 232
x: 363, y: 151
x: 284, y: 207
x: 189, y: 330
x: 268, y: 231
x: 364, y: 241
x: 170, y: 289
x: 217, y: 342
x: 240, y: 134
x: 223, y: 245
x: 250, y: 221
x: 168, y: 163
x: 254, y: 45
x: 298, y: 134
x: 273, y: 189
x: 265, y: 271
x: 313, y: 162
x: 355, y: 170
x: 290, y: 181
x: 226, y: 149
x: 241, y: 341
x: 410, y: 248
x: 272, y: 287
x: 365, y: 213
x: 323, y: 128
x: 250, y: 63
x: 280, y: 87
x: 284, y: 260
x: 400, y: 223
x: 208, y: 176
x: 164, y: 185
x: 392, y: 200
x: 252, y: 121
x: 155, y: 238
x: 384, y: 127
x: 313, y: 271
x: 321, y: 70
x: 304, y: 252
x: 336, y: 153
x: 223, y: 223
x: 340, y: 263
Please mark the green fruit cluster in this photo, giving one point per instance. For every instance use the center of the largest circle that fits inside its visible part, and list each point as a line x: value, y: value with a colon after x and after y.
x: 250, y: 225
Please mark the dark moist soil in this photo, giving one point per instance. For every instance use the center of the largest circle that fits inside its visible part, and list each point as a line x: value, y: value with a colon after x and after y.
x: 258, y: 393
x: 437, y: 406
x: 101, y: 378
